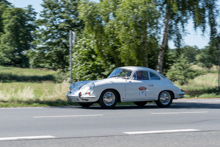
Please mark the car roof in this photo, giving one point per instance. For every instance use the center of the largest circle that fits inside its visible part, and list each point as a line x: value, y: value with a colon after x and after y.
x: 135, y: 68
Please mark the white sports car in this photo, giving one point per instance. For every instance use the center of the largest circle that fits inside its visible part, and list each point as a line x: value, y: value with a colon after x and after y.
x: 126, y: 84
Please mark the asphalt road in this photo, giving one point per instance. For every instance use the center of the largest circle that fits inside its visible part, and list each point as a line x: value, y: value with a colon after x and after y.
x: 187, y: 122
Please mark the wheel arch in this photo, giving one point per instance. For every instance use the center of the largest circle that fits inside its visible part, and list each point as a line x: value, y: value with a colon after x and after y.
x: 170, y: 91
x: 119, y: 96
x: 168, y: 101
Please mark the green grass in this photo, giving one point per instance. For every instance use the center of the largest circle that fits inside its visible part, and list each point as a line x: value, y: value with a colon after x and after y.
x: 15, y: 74
x: 31, y: 87
x: 31, y: 91
x: 26, y: 71
x: 203, y: 86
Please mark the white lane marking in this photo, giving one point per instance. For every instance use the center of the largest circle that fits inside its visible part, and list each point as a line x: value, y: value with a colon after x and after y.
x: 92, y: 115
x: 196, y: 112
x: 162, y: 131
x: 26, y: 137
x: 21, y: 108
x: 203, y: 101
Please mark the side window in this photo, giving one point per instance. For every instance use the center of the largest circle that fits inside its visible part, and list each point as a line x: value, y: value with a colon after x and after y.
x: 141, y: 75
x: 154, y: 76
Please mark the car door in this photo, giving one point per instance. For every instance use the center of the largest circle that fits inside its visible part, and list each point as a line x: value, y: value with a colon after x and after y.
x: 139, y: 87
x: 157, y: 83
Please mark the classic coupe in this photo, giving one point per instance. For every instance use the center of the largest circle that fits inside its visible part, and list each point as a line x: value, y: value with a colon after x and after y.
x: 126, y: 84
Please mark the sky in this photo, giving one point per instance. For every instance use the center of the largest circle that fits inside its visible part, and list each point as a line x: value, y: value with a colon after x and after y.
x: 192, y: 38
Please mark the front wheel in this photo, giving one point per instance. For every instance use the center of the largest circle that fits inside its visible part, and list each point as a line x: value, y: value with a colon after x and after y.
x: 165, y: 98
x: 108, y: 99
x: 85, y: 105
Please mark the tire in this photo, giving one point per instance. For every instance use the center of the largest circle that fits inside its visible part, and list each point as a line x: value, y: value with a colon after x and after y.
x: 108, y: 99
x: 85, y: 105
x: 140, y: 104
x: 165, y: 98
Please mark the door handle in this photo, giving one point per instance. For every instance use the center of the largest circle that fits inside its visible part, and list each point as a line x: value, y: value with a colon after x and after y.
x: 151, y: 85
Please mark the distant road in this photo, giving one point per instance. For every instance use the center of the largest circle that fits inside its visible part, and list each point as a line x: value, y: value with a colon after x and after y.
x: 187, y: 122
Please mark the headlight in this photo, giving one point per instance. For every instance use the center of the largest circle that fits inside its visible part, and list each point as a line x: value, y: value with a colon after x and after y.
x: 92, y: 86
x: 72, y: 86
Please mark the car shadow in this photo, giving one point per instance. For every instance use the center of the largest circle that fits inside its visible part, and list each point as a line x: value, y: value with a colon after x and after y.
x: 179, y: 105
x: 195, y: 105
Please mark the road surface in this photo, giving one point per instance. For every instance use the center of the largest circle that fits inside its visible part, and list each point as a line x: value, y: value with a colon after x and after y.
x: 187, y: 122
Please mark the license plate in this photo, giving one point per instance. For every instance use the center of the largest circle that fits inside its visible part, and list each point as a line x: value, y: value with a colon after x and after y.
x: 74, y: 99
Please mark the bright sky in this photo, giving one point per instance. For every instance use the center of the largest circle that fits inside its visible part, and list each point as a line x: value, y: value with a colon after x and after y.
x: 193, y: 38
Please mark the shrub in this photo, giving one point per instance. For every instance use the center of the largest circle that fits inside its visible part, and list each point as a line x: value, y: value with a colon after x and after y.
x: 182, y: 72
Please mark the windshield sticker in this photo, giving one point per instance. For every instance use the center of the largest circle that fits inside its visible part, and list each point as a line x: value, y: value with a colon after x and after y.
x: 142, y: 91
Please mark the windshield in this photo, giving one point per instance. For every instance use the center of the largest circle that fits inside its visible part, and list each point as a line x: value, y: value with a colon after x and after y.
x: 121, y: 73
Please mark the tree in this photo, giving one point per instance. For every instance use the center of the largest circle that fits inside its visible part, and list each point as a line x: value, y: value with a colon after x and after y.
x: 125, y: 32
x: 137, y: 28
x: 209, y: 56
x: 181, y: 71
x: 189, y: 52
x: 98, y: 18
x: 214, y: 49
x: 3, y: 5
x: 57, y: 18
x: 177, y: 13
x: 204, y: 59
x: 17, y: 36
x: 87, y: 65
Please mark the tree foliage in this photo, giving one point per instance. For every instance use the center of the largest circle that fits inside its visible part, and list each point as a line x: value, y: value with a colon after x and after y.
x: 138, y: 31
x: 189, y: 52
x: 87, y: 65
x: 181, y: 71
x: 209, y: 56
x: 3, y: 5
x: 177, y: 13
x: 17, y: 35
x: 110, y: 33
x: 96, y: 17
x: 204, y: 59
x: 125, y: 32
x: 57, y: 18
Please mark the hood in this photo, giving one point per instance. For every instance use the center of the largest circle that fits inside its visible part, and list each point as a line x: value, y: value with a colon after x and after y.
x: 78, y: 85
x: 108, y: 81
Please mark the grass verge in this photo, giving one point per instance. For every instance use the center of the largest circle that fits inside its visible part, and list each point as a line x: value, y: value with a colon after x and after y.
x: 35, y: 103
x: 203, y: 86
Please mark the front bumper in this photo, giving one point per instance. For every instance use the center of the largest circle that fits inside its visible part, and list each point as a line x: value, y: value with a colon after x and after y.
x: 180, y: 95
x: 77, y: 98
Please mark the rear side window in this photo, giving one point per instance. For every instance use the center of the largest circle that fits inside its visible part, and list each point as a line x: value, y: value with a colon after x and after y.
x: 154, y: 76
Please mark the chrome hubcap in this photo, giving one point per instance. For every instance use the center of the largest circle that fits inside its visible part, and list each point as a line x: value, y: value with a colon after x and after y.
x: 109, y: 98
x: 165, y: 97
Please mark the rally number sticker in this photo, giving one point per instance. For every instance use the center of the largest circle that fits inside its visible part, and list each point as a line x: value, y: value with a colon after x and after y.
x: 142, y: 91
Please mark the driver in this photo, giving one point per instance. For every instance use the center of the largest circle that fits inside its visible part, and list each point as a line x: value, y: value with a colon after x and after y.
x: 140, y: 76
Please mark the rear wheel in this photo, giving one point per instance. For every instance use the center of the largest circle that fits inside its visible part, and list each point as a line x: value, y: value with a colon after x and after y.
x: 85, y: 105
x: 165, y: 98
x: 140, y: 104
x: 108, y: 99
